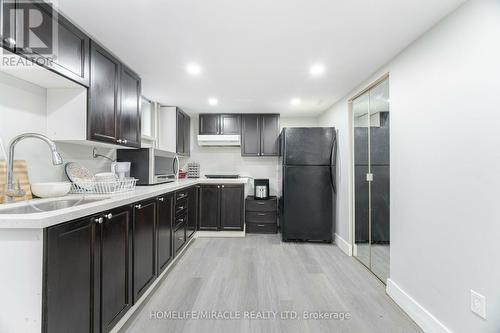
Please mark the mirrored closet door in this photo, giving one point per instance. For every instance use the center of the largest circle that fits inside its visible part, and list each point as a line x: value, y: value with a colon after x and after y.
x: 371, y: 229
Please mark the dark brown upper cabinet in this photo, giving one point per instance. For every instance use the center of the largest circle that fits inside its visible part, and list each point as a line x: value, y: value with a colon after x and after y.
x: 209, y: 124
x: 215, y: 124
x: 183, y: 143
x: 144, y: 235
x: 64, y: 49
x: 113, y: 114
x: 130, y: 117
x: 269, y: 135
x: 230, y: 124
x: 260, y: 135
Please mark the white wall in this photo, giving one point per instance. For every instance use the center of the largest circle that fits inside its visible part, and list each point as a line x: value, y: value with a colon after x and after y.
x: 23, y: 109
x: 229, y: 160
x: 444, y: 156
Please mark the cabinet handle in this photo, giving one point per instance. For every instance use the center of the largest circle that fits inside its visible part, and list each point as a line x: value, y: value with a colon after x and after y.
x: 180, y: 220
x: 261, y: 214
x: 119, y: 141
x: 181, y: 207
x: 109, y: 216
x: 99, y: 220
x: 260, y: 203
x: 161, y: 199
x: 138, y: 206
x: 124, y: 141
x: 218, y: 186
x: 261, y: 225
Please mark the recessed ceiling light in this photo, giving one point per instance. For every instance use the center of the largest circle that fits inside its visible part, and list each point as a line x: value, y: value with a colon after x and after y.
x: 213, y: 101
x: 295, y: 101
x: 317, y: 70
x: 193, y: 69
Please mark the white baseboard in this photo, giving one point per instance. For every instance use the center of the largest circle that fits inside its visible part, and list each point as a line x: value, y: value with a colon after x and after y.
x: 417, y: 312
x: 217, y: 234
x: 343, y: 245
x: 151, y: 288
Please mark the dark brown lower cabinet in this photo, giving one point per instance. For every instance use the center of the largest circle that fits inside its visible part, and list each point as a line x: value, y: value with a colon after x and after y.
x: 116, y: 266
x: 164, y: 228
x: 69, y: 265
x: 192, y: 219
x: 221, y: 207
x: 209, y: 207
x: 231, y: 207
x: 144, y: 230
x: 88, y: 267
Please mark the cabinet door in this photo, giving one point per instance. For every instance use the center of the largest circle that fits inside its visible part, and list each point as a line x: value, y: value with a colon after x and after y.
x: 230, y: 124
x: 209, y: 124
x: 68, y: 55
x: 116, y: 266
x: 69, y: 275
x: 270, y: 131
x: 144, y: 246
x: 130, y: 111
x: 192, y: 219
x: 180, y: 132
x: 231, y: 207
x: 164, y: 227
x: 250, y: 135
x: 103, y: 108
x: 209, y: 207
x: 187, y: 135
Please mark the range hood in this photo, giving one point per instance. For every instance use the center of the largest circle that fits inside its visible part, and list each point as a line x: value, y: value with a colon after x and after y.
x: 219, y: 140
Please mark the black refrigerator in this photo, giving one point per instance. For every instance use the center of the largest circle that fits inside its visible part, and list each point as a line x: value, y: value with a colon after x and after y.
x: 308, y: 161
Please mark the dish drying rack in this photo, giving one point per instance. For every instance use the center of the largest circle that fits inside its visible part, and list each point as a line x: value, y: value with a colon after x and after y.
x: 103, y: 187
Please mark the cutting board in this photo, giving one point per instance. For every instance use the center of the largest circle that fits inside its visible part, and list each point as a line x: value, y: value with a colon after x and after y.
x: 21, y: 173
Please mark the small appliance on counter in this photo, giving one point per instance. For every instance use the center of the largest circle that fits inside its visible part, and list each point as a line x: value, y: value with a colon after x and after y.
x: 151, y: 166
x: 261, y: 189
x: 193, y: 170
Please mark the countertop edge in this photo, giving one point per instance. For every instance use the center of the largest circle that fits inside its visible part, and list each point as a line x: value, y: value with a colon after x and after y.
x: 48, y: 219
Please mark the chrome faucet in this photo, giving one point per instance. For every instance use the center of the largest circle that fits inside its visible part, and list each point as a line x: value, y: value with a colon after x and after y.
x: 14, y: 190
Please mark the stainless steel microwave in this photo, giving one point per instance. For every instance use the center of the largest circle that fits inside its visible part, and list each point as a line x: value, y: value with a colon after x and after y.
x: 151, y: 166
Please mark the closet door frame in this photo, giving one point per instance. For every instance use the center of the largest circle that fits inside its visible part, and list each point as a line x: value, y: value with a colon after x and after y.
x: 352, y: 194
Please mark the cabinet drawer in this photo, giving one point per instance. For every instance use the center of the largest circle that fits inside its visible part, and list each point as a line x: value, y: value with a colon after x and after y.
x: 180, y: 207
x: 179, y: 237
x: 261, y: 217
x: 261, y: 228
x: 261, y: 205
x: 180, y: 195
x: 181, y: 219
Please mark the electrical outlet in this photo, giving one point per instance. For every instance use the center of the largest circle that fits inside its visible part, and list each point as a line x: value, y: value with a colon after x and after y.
x: 478, y: 304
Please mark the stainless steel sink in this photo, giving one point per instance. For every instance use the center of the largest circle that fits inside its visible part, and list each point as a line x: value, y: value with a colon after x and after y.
x: 33, y: 207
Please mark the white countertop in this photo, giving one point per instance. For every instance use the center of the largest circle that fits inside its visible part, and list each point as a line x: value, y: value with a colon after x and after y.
x: 47, y: 219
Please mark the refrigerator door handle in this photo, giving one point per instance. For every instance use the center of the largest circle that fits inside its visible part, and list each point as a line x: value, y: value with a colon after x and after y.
x: 333, y: 157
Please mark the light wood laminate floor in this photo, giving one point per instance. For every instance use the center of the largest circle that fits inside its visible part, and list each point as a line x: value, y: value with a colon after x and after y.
x: 260, y: 273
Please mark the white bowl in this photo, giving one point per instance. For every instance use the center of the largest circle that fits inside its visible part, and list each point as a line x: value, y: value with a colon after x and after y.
x: 50, y: 190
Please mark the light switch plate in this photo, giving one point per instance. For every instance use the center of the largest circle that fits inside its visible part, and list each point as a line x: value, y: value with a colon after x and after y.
x: 478, y: 304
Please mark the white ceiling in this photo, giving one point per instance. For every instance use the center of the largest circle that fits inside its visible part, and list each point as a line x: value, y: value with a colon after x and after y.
x: 255, y: 54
